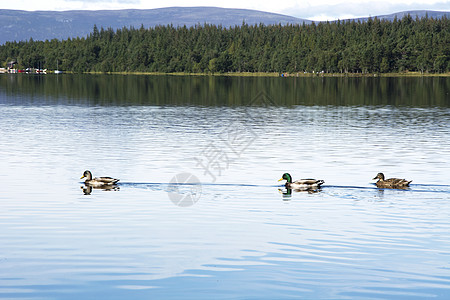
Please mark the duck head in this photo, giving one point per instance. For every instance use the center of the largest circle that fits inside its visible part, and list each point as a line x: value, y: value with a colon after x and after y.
x: 287, y: 177
x: 379, y: 176
x: 87, y: 174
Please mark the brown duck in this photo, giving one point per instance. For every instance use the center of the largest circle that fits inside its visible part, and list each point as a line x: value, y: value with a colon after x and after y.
x: 391, y: 183
x: 97, y: 181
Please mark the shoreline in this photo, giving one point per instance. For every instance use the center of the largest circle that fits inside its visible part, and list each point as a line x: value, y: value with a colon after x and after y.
x: 282, y: 75
x: 264, y: 74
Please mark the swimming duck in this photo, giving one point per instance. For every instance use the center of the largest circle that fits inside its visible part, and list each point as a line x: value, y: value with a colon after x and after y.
x: 392, y: 183
x: 302, y: 184
x: 97, y: 181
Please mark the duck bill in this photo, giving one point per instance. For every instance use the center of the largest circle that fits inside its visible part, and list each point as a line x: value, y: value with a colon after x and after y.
x: 82, y: 177
x: 374, y: 178
x: 280, y: 179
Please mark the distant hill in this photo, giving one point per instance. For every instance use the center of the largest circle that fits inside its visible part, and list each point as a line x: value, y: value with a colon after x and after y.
x: 413, y: 14
x: 16, y: 25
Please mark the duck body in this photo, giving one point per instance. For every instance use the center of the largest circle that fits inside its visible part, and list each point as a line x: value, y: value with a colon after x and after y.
x: 391, y: 183
x: 98, y: 181
x: 301, y: 184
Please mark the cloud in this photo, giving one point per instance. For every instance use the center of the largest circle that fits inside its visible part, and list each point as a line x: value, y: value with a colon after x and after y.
x: 319, y: 10
x: 59, y: 5
x: 118, y: 2
x: 323, y: 12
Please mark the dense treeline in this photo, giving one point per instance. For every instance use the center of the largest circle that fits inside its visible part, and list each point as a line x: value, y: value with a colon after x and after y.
x: 333, y: 47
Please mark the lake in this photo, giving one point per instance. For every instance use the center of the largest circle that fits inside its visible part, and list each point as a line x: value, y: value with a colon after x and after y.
x: 199, y: 212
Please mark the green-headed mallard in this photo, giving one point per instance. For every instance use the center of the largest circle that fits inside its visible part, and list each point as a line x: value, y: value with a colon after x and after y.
x: 302, y: 184
x: 97, y: 181
x: 392, y: 183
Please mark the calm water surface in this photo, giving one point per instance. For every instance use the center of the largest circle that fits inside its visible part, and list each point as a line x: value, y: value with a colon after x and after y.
x: 243, y: 236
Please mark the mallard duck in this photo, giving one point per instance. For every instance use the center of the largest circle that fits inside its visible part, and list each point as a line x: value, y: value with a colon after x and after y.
x: 392, y: 183
x: 97, y: 181
x: 302, y: 184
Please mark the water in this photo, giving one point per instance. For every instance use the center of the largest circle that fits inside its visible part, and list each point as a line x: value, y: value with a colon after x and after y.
x: 241, y: 236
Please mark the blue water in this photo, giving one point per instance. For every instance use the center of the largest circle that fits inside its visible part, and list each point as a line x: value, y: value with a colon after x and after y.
x: 241, y: 236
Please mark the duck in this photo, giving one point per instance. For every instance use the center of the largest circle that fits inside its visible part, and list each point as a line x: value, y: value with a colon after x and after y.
x: 98, y: 181
x: 302, y: 184
x: 392, y: 183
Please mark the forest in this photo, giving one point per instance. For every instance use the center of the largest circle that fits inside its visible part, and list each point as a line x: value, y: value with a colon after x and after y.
x: 374, y: 46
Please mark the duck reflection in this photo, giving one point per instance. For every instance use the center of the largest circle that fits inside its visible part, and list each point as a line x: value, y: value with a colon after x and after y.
x: 87, y: 189
x: 394, y: 188
x: 287, y: 192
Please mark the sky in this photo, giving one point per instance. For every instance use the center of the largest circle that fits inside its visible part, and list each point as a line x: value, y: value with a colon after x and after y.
x: 317, y: 10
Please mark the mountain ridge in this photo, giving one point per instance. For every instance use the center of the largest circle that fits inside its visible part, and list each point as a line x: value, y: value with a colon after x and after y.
x: 19, y: 25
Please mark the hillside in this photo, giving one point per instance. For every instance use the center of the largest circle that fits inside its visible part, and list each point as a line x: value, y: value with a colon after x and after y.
x: 414, y: 14
x: 40, y: 25
x: 18, y: 25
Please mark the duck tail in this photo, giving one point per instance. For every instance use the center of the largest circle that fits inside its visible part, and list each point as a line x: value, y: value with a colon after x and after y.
x: 320, y: 182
